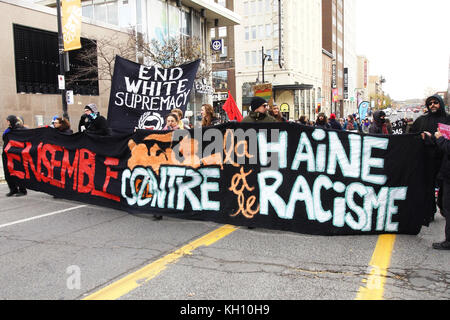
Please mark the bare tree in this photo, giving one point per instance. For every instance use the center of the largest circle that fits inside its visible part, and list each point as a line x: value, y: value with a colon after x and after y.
x: 98, y: 59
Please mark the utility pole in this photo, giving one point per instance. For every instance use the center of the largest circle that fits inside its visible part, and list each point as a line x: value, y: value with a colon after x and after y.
x: 61, y: 58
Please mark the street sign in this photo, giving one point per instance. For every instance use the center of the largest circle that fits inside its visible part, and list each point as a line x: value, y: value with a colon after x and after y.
x: 284, y: 107
x: 61, y: 82
x: 217, y: 45
x: 69, y: 96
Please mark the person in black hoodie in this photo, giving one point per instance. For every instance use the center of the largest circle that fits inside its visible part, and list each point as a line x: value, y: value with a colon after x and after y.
x: 429, y: 123
x: 378, y: 125
x: 15, y: 187
x: 444, y: 145
x: 334, y: 124
x: 92, y: 122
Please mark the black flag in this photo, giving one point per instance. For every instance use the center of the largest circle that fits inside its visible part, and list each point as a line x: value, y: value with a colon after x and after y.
x: 141, y: 96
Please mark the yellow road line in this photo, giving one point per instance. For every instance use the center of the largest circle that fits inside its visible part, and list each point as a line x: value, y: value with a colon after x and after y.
x: 379, y: 265
x: 145, y: 274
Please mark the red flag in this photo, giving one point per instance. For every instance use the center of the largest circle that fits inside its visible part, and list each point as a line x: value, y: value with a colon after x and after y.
x: 232, y: 109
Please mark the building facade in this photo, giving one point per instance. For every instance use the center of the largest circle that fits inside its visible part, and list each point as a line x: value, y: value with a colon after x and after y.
x: 29, y: 79
x: 279, y: 43
x: 350, y: 57
x: 223, y: 62
x: 333, y: 41
x: 362, y: 79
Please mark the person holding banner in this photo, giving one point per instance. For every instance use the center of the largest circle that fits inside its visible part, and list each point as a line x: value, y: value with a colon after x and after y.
x: 92, y: 122
x: 179, y: 114
x: 258, y: 111
x: 276, y: 114
x: 334, y: 124
x: 429, y: 123
x: 15, y: 187
x: 443, y: 145
x: 378, y: 125
x: 172, y: 122
x: 208, y: 117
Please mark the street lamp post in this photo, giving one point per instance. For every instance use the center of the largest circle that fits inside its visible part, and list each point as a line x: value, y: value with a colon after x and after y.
x: 264, y: 57
x: 61, y: 58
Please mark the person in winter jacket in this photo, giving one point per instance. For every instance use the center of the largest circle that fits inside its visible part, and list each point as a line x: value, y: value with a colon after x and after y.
x: 444, y: 145
x: 351, y: 124
x: 334, y: 124
x: 15, y: 186
x: 276, y: 114
x: 92, y: 122
x: 172, y: 122
x: 322, y: 121
x: 378, y: 125
x: 429, y: 123
x: 258, y: 112
x: 62, y: 126
x: 208, y: 117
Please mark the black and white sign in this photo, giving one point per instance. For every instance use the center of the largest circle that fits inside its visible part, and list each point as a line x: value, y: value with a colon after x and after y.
x: 217, y: 45
x: 142, y: 96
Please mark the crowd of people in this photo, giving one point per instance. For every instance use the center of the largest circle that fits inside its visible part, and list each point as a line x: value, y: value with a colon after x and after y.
x: 437, y: 147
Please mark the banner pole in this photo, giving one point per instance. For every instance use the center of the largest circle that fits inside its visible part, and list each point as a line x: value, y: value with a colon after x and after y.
x: 61, y: 58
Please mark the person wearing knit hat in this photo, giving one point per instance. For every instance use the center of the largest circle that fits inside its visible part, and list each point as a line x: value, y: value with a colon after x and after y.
x: 334, y: 124
x: 15, y: 186
x: 258, y: 111
x: 92, y: 122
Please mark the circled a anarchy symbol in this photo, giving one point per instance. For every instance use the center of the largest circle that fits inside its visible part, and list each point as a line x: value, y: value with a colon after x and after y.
x: 217, y: 45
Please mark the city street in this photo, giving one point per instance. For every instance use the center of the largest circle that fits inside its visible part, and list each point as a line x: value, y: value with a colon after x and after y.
x: 57, y: 249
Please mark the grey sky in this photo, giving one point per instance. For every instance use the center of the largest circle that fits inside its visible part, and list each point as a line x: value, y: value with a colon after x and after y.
x: 406, y: 41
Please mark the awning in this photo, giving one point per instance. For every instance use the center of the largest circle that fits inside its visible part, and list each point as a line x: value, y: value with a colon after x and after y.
x: 215, y: 11
x: 292, y: 87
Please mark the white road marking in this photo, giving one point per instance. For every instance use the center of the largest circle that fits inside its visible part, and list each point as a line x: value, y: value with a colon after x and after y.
x: 41, y: 216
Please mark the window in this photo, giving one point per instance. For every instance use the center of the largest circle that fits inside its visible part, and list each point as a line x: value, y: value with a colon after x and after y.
x: 261, y: 31
x: 268, y: 30
x: 253, y: 32
x: 37, y: 63
x: 246, y: 8
x: 222, y: 32
x: 254, y: 58
x: 247, y: 33
x: 247, y: 58
x: 275, y: 55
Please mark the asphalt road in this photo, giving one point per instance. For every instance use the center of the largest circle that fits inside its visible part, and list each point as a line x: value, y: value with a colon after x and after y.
x: 54, y: 249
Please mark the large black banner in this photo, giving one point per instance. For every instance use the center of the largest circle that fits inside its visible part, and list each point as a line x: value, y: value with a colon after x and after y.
x: 142, y: 96
x: 279, y: 176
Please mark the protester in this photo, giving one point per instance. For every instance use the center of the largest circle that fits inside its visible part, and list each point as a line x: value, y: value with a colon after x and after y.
x: 303, y: 120
x: 429, y: 123
x: 92, y: 122
x: 389, y: 126
x: 334, y: 124
x: 322, y: 121
x: 350, y: 124
x: 444, y: 145
x: 208, y: 117
x: 15, y: 186
x: 62, y: 126
x: 52, y: 125
x: 365, y: 125
x: 179, y: 113
x: 172, y: 122
x: 276, y: 114
x: 378, y: 125
x: 186, y: 123
x: 258, y: 112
